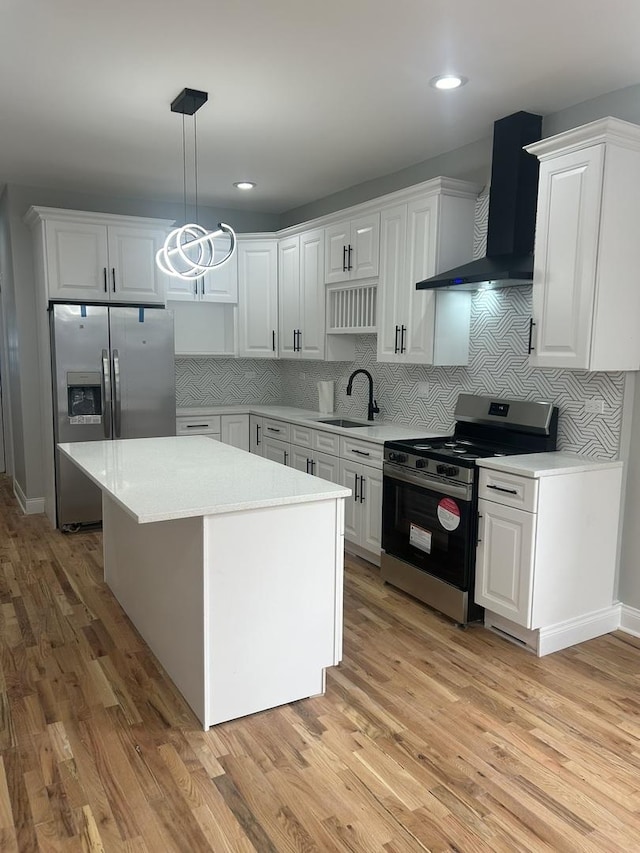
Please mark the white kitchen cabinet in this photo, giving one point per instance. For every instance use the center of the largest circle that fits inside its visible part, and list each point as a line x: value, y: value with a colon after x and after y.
x: 255, y: 435
x: 546, y: 553
x: 363, y: 510
x: 305, y: 455
x: 217, y: 285
x: 234, y: 430
x: 276, y: 450
x: 352, y: 249
x: 258, y: 298
x: 90, y: 257
x: 302, y: 295
x: 204, y: 329
x: 419, y: 239
x: 585, y: 299
x: 191, y: 425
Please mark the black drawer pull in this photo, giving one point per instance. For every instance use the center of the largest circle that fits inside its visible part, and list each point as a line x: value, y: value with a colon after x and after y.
x: 507, y: 491
x: 274, y: 429
x: 197, y: 426
x: 361, y: 452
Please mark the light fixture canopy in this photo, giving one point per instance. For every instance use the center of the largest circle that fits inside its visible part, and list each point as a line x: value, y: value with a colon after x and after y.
x: 447, y: 81
x: 244, y: 185
x: 189, y: 251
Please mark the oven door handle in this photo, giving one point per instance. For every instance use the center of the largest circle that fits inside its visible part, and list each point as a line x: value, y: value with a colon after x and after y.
x: 452, y: 490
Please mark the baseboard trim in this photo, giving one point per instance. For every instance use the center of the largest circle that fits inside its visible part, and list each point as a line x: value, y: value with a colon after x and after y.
x: 630, y: 620
x: 29, y: 506
x: 545, y: 641
x: 574, y: 631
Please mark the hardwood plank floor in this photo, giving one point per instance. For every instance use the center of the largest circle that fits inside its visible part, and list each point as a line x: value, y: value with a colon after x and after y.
x: 428, y: 738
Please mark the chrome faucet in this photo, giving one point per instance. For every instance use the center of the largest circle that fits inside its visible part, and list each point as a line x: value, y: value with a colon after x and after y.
x: 372, y: 408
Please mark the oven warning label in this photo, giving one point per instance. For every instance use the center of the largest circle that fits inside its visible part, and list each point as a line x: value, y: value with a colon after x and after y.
x: 448, y: 514
x: 420, y: 538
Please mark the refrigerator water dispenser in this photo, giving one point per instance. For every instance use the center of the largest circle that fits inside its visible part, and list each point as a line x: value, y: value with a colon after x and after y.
x: 84, y: 397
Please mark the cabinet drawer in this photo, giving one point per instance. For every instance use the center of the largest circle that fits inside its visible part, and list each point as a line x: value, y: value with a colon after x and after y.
x: 198, y: 426
x: 509, y: 489
x: 301, y: 435
x: 277, y: 429
x: 326, y: 442
x: 363, y: 451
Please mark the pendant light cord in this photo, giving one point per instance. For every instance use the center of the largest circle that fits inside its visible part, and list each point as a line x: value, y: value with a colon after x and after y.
x: 184, y: 170
x: 195, y: 157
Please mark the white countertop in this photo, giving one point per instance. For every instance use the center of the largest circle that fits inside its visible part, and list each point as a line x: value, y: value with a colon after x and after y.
x: 546, y: 464
x: 377, y: 431
x: 158, y: 479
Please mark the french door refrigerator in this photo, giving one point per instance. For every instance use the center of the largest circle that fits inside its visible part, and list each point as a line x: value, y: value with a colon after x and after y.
x: 113, y: 377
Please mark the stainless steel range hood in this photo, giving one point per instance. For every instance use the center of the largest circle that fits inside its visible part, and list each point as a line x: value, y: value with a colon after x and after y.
x: 512, y: 212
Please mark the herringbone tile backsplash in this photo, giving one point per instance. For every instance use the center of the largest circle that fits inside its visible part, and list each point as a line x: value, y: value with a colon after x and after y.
x: 497, y: 366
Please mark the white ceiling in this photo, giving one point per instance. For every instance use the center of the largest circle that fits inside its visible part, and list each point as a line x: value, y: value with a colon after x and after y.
x: 306, y: 98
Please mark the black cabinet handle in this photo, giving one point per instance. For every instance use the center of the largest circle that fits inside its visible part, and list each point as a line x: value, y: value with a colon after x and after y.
x: 356, y: 496
x: 273, y: 340
x: 360, y: 452
x: 500, y: 489
x: 349, y: 267
x: 478, y: 539
x: 294, y: 340
x: 531, y: 347
x: 299, y: 340
x: 257, y: 434
x: 286, y: 456
x: 361, y: 490
x: 313, y: 465
x: 403, y: 329
x: 195, y: 287
x: 202, y: 286
x: 113, y: 278
x: 344, y: 259
x: 105, y: 279
x: 395, y: 343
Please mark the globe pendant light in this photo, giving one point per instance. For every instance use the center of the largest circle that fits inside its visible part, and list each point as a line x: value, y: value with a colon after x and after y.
x: 189, y: 250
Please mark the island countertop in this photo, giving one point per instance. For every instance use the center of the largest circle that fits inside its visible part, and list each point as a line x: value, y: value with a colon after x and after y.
x: 159, y: 479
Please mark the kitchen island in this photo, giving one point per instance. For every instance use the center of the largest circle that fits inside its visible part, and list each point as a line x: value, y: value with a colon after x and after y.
x: 230, y: 566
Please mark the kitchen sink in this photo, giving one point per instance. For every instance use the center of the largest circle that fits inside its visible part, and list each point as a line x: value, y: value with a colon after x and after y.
x: 343, y: 422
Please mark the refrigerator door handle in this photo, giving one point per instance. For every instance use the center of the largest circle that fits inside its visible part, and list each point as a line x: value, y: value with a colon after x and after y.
x: 117, y: 399
x: 106, y: 394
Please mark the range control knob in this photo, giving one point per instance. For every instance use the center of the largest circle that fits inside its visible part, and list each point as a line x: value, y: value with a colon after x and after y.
x: 397, y: 457
x: 447, y: 470
x: 421, y: 463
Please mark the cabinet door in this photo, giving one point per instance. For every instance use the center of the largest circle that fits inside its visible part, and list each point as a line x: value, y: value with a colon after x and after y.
x: 312, y: 295
x: 504, y: 561
x: 301, y: 458
x: 336, y: 244
x: 133, y: 273
x: 391, y: 289
x: 421, y: 263
x: 204, y: 329
x: 257, y: 298
x: 77, y: 261
x: 255, y: 435
x: 221, y: 283
x: 565, y: 258
x: 234, y: 430
x: 327, y: 467
x: 371, y: 508
x: 289, y: 295
x: 350, y: 477
x: 365, y: 247
x: 277, y: 451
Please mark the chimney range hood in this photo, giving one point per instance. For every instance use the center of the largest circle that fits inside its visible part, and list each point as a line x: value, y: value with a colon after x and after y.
x: 512, y: 212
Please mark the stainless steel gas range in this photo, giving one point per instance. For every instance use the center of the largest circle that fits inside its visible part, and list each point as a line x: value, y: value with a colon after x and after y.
x: 430, y: 497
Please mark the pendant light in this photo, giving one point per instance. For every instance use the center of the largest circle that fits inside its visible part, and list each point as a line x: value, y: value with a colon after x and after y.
x: 189, y: 250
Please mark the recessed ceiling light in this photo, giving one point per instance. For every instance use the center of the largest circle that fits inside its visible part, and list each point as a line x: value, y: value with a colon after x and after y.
x: 244, y: 185
x: 447, y: 81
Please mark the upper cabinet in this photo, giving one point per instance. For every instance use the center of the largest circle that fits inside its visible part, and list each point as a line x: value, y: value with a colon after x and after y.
x: 217, y: 285
x: 585, y: 296
x: 258, y: 298
x: 418, y: 239
x: 302, y: 295
x: 352, y: 248
x: 98, y: 257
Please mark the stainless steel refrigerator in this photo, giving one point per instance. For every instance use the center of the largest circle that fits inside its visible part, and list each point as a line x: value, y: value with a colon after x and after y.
x: 113, y: 377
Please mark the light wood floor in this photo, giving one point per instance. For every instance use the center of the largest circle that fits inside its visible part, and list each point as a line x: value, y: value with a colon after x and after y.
x: 428, y: 738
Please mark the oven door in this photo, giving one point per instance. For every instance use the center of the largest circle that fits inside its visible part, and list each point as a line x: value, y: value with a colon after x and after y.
x: 429, y: 524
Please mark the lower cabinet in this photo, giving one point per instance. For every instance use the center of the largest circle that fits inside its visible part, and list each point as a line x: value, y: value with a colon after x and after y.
x: 234, y: 430
x: 276, y: 450
x: 313, y: 462
x: 255, y: 435
x: 546, y: 554
x: 363, y: 510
